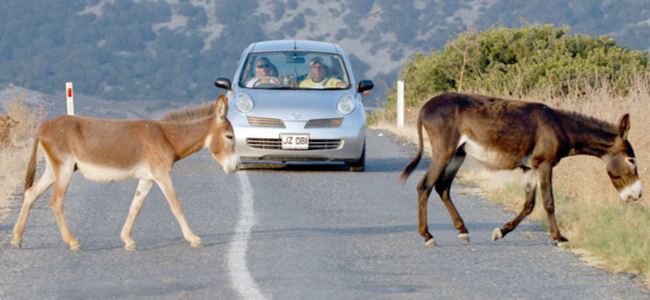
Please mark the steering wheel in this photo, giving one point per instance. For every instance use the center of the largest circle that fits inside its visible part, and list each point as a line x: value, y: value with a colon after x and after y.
x: 268, y: 82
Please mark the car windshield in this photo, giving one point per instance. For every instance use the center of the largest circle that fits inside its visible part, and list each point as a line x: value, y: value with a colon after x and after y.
x: 294, y: 70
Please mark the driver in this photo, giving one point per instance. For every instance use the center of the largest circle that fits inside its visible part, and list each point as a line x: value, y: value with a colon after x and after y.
x: 318, y: 76
x: 263, y: 74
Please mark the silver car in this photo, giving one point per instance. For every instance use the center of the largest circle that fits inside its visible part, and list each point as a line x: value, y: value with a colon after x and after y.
x: 296, y: 100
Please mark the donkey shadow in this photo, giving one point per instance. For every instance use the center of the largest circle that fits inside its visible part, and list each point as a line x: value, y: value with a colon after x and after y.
x: 480, y: 229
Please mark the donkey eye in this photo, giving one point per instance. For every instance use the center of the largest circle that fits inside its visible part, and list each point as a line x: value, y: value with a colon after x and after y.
x: 229, y: 136
x: 631, y: 160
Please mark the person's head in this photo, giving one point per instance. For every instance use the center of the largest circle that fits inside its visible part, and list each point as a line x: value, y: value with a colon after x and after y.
x: 317, y: 69
x: 263, y: 67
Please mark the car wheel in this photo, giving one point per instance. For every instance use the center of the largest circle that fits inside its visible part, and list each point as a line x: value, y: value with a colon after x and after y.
x: 359, y: 165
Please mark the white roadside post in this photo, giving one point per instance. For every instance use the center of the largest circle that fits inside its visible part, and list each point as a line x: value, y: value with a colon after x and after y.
x: 69, y: 98
x: 400, y: 103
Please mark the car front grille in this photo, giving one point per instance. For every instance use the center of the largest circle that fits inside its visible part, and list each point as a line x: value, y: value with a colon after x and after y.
x: 324, y: 144
x: 324, y: 123
x: 314, y: 144
x: 265, y: 122
x: 277, y: 123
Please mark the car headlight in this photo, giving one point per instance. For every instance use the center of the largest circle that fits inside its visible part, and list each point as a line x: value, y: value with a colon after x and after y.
x: 346, y: 104
x: 244, y: 103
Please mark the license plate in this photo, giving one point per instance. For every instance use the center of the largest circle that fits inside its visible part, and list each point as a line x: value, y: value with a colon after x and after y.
x: 295, y: 141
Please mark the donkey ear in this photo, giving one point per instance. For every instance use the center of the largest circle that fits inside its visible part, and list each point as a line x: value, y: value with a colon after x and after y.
x: 222, y: 108
x: 624, y: 126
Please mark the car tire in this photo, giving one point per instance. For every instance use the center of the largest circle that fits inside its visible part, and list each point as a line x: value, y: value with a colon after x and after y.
x: 360, y: 164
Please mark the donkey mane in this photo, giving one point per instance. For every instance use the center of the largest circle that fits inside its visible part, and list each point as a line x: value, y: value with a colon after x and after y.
x: 189, y: 113
x: 577, y: 119
x: 585, y: 121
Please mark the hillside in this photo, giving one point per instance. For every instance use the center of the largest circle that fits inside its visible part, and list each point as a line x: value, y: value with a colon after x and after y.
x: 173, y: 50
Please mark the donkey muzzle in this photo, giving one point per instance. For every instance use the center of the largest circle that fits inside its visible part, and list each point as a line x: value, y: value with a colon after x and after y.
x: 231, y: 164
x: 632, y: 192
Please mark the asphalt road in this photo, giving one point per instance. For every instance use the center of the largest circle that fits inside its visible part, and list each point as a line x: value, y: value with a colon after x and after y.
x: 312, y: 232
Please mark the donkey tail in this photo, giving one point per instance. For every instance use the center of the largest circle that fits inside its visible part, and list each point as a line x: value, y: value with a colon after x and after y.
x: 416, y: 160
x: 31, y: 166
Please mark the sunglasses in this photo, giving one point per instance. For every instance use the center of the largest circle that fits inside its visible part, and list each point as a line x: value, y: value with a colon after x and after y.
x: 264, y: 66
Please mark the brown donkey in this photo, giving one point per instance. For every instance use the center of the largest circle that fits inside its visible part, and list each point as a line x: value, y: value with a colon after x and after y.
x: 109, y: 150
x: 510, y: 134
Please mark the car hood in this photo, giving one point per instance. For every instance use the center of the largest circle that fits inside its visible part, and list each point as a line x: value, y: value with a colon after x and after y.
x: 296, y: 105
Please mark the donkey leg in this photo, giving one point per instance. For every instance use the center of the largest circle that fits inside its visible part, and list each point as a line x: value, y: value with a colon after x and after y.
x: 144, y: 186
x: 31, y: 195
x: 546, y: 184
x: 165, y: 184
x: 443, y: 187
x: 424, y: 188
x: 529, y: 205
x: 63, y: 174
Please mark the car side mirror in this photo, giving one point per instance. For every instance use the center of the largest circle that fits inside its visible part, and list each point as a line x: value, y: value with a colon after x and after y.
x: 223, y: 83
x: 365, y: 85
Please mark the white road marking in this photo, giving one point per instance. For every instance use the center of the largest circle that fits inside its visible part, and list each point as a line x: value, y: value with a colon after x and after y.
x: 240, y: 278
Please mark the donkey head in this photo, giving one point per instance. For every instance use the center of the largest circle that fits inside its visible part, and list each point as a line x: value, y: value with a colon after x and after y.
x: 221, y: 139
x: 621, y: 164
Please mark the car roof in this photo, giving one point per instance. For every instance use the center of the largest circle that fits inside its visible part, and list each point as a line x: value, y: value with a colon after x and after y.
x: 300, y: 45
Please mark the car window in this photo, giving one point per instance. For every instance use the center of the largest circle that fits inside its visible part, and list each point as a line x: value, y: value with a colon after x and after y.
x: 294, y: 70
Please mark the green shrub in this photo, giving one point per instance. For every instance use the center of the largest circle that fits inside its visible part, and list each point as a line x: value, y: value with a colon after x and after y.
x: 518, y: 61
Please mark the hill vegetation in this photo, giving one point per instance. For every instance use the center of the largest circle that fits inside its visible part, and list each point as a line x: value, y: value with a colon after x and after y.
x: 521, y: 61
x: 173, y: 50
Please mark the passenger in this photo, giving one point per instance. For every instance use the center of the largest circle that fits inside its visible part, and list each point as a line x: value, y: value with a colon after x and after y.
x: 318, y: 77
x: 264, y: 74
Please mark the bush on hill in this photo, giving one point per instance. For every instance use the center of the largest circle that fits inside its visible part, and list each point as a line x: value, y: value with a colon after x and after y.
x: 518, y: 61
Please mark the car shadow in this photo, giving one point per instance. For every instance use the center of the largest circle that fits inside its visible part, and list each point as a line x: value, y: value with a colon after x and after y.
x: 382, y: 165
x: 294, y: 167
x: 394, y: 164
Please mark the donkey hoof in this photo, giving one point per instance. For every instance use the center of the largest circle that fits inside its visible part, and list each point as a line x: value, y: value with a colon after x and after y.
x: 563, y: 245
x: 561, y: 239
x: 497, y: 234
x: 74, y: 246
x: 430, y: 243
x: 196, y: 243
x: 129, y: 246
x: 16, y: 243
x: 464, y: 237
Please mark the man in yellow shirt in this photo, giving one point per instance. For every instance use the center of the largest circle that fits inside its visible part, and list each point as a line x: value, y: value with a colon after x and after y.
x: 317, y: 79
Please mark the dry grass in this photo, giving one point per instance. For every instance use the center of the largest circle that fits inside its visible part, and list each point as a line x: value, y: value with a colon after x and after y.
x: 603, y: 230
x: 13, y: 158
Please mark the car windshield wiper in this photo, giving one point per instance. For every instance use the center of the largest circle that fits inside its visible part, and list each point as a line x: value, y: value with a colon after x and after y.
x: 277, y: 88
x: 320, y: 89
